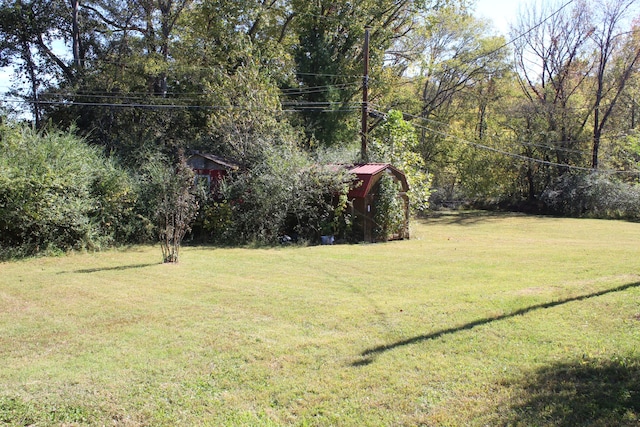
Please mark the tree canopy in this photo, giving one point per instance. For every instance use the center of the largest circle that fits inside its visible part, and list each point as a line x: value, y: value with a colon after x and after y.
x: 473, y: 117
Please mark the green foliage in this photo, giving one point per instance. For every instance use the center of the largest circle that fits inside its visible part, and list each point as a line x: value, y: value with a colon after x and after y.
x: 213, y: 220
x: 287, y: 194
x: 57, y: 193
x: 238, y: 77
x: 623, y: 154
x: 328, y: 56
x: 594, y: 195
x: 396, y: 142
x: 388, y: 207
x: 175, y: 204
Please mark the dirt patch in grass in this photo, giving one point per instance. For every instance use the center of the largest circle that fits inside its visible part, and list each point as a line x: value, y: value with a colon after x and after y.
x: 535, y: 290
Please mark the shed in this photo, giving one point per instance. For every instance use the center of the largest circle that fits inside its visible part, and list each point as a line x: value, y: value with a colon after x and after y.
x: 363, y: 194
x: 211, y: 169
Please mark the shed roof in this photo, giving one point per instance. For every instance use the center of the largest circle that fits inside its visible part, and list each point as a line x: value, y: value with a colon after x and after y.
x: 367, y: 172
x: 221, y: 161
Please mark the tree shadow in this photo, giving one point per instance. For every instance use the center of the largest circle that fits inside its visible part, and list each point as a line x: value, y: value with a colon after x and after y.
x: 467, y: 217
x: 368, y: 356
x: 118, y: 268
x: 585, y: 392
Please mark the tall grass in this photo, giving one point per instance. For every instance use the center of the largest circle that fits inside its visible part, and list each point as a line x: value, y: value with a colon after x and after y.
x: 477, y: 320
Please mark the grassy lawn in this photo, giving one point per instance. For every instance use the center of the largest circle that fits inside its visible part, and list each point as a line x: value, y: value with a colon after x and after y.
x: 479, y: 319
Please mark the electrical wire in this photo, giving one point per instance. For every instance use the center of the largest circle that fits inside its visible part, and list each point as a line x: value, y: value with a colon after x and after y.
x: 518, y: 156
x: 326, y: 107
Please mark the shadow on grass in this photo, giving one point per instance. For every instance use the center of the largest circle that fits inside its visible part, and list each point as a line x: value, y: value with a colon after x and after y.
x: 585, y: 392
x: 118, y: 268
x: 467, y: 217
x: 369, y: 354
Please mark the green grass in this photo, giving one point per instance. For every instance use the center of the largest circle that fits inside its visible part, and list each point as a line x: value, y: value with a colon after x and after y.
x: 479, y: 319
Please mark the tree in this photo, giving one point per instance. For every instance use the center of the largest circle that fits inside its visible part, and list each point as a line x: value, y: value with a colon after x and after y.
x: 175, y: 204
x: 396, y: 142
x: 553, y: 68
x: 329, y: 59
x: 459, y: 64
x: 31, y: 31
x: 617, y: 58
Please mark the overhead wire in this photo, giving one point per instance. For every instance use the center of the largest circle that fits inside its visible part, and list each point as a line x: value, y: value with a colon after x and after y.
x: 514, y: 39
x: 291, y: 106
x: 508, y: 153
x: 551, y: 145
x: 301, y: 106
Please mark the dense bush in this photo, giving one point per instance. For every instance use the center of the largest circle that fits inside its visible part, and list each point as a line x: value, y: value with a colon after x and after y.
x: 57, y: 193
x: 284, y: 194
x: 592, y: 194
x: 389, y: 215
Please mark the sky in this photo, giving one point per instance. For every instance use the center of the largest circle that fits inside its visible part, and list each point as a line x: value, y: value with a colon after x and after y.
x: 500, y: 12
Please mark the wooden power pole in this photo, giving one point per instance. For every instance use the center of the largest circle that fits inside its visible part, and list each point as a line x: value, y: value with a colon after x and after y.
x: 364, y: 155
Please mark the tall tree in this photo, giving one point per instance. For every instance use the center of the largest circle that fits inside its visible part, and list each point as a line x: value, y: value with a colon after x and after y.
x: 130, y: 98
x: 329, y: 58
x: 617, y: 58
x: 553, y: 69
x: 27, y: 28
x: 458, y: 61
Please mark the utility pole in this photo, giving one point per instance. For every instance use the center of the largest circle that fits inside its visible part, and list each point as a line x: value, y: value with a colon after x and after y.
x: 365, y: 98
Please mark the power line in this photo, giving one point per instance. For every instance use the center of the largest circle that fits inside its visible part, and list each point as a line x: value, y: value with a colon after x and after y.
x: 523, y: 157
x: 516, y: 38
x: 514, y: 155
x: 529, y: 31
x: 194, y: 97
x: 293, y: 106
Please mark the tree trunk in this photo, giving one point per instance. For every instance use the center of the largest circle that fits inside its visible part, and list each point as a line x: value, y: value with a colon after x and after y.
x: 75, y: 5
x: 597, y: 134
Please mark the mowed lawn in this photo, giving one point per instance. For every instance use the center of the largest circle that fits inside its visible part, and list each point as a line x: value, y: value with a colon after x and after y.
x: 479, y: 319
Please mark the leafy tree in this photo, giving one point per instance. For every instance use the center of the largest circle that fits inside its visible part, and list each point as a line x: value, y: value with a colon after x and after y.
x: 175, y: 205
x: 396, y: 142
x: 32, y: 32
x: 617, y: 57
x: 550, y: 61
x: 459, y: 65
x: 329, y: 58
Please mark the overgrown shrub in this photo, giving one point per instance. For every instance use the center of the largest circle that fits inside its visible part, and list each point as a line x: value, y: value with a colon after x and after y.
x: 57, y: 193
x: 171, y: 187
x: 389, y: 214
x: 594, y: 195
x: 213, y: 220
x: 286, y: 194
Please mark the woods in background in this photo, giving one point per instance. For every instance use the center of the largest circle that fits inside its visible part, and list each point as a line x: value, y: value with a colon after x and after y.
x: 545, y: 120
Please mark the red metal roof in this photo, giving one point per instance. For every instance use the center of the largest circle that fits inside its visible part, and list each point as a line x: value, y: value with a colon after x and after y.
x: 369, y: 168
x: 365, y: 174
